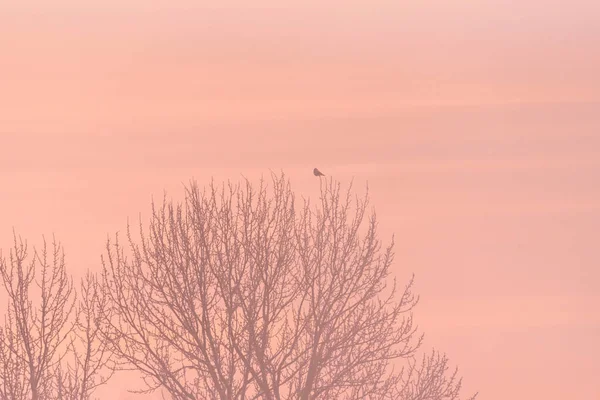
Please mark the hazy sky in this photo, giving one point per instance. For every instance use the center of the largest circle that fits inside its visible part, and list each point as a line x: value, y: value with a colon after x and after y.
x: 476, y: 125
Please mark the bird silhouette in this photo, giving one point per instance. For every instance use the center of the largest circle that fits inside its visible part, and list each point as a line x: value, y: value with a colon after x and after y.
x: 317, y: 172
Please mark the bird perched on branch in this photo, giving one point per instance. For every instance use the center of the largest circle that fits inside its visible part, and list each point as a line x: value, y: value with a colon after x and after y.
x: 317, y: 172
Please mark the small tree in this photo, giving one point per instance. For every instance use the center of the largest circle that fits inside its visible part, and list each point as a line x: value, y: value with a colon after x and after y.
x: 90, y: 364
x: 239, y: 294
x: 44, y: 325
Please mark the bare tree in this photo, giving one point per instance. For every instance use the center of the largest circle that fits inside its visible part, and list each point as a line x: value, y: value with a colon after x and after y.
x: 239, y: 294
x: 90, y: 363
x: 45, y: 325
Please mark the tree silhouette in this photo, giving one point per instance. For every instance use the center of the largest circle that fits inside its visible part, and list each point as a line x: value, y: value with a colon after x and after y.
x: 243, y: 293
x: 49, y: 344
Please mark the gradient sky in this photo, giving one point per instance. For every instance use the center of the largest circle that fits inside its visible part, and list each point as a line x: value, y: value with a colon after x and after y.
x: 476, y: 125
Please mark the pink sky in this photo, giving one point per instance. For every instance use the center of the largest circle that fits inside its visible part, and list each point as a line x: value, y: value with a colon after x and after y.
x: 476, y: 125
